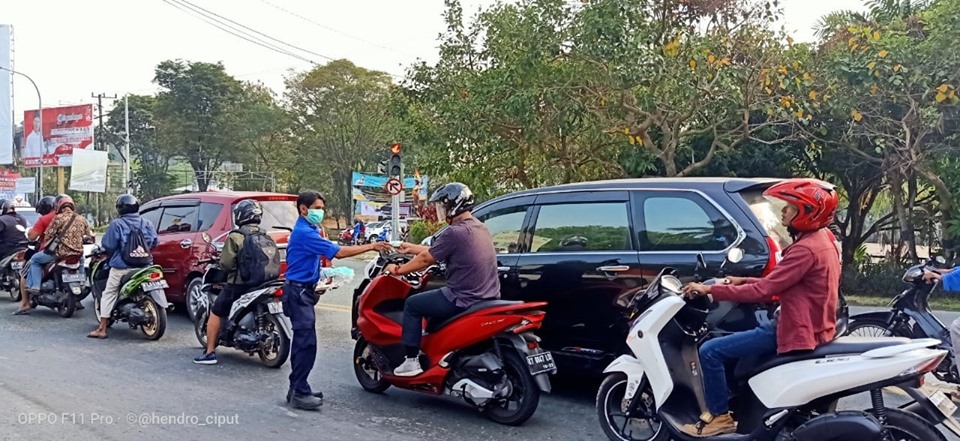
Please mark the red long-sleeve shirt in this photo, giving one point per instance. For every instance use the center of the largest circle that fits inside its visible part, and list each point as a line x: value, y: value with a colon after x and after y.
x: 806, y: 281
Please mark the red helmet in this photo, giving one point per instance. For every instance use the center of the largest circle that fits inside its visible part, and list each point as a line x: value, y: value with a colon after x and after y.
x: 64, y: 202
x: 816, y: 202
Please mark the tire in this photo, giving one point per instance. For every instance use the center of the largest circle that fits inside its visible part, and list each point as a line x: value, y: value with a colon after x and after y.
x: 869, y: 327
x: 15, y: 287
x: 365, y: 369
x: 159, y: 326
x: 283, y: 345
x: 194, y: 296
x: 908, y: 426
x: 609, y: 399
x: 69, y: 305
x: 200, y: 326
x: 96, y: 313
x: 523, y: 385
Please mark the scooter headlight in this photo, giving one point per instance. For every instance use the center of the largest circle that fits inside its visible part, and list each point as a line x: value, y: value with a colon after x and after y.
x: 913, y: 274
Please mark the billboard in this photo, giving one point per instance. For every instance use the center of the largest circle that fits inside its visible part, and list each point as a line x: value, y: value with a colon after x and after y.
x: 6, y: 96
x: 8, y: 184
x: 64, y: 129
x: 370, y: 187
x: 89, y: 171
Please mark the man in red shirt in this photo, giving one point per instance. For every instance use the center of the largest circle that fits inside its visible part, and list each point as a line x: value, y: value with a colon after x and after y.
x: 807, y: 282
x: 45, y: 209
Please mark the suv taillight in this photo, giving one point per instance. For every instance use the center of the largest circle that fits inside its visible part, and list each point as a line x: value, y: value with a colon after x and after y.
x: 774, y: 252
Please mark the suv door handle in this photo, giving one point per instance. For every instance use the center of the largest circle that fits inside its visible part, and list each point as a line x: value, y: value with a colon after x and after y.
x: 613, y: 268
x: 186, y: 243
x: 503, y: 269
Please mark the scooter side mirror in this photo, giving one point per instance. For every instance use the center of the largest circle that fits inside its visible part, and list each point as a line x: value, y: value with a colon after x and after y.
x: 701, y: 262
x: 22, y: 228
x: 735, y: 255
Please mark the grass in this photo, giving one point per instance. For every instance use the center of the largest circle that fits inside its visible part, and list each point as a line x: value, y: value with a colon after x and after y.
x: 936, y: 303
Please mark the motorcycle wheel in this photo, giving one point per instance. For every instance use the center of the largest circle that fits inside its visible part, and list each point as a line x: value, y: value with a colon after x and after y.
x: 68, y: 306
x: 200, y: 326
x: 610, y: 407
x: 277, y: 356
x: 366, y: 369
x: 524, y: 399
x: 907, y: 426
x: 869, y: 328
x: 154, y: 330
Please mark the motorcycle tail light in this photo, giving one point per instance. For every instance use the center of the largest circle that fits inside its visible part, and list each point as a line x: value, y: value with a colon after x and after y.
x: 155, y: 276
x: 278, y: 293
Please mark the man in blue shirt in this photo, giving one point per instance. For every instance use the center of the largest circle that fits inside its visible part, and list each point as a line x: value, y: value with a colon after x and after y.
x: 304, y: 250
x: 113, y: 240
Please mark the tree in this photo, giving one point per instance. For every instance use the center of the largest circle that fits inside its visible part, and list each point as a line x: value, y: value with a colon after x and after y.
x: 341, y: 123
x: 199, y: 114
x: 150, y: 161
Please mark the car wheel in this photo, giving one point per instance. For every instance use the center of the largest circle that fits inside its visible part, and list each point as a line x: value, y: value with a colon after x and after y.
x: 196, y: 297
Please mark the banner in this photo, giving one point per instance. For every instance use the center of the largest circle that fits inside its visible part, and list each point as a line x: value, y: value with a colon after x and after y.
x: 89, y: 171
x: 26, y: 185
x: 6, y: 97
x: 64, y: 129
x: 379, y: 209
x: 365, y: 186
x: 8, y: 185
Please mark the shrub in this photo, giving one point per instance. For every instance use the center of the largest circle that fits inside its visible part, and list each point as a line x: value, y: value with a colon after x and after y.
x: 420, y: 230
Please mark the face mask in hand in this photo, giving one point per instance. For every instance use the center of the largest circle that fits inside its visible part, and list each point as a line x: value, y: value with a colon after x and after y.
x: 315, y: 216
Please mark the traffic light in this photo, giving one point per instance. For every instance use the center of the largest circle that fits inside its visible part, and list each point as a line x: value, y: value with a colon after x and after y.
x: 395, y: 163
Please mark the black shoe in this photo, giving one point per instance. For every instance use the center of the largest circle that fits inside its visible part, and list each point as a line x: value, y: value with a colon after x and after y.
x: 305, y: 402
x: 316, y: 394
x: 80, y: 306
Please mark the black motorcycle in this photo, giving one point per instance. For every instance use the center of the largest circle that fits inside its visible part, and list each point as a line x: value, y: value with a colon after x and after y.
x: 10, y: 268
x: 62, y: 286
x: 910, y: 316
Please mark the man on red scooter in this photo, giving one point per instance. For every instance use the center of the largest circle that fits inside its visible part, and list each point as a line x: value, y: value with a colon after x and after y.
x: 471, y: 260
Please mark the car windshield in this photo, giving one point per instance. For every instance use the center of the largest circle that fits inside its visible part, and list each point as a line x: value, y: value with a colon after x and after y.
x: 30, y: 216
x: 769, y: 218
x: 278, y: 214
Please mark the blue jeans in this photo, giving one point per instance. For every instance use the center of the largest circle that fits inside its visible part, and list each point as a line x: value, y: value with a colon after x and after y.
x: 716, y: 353
x: 35, y: 273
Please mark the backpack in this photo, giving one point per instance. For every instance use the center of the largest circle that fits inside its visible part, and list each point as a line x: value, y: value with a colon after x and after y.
x: 259, y: 258
x: 135, y: 251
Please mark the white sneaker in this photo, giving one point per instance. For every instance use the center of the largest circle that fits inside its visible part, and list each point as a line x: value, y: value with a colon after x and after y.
x: 409, y: 368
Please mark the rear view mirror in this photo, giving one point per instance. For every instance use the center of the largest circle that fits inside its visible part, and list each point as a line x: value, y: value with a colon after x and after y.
x: 735, y: 255
x: 941, y: 260
x: 701, y: 262
x: 22, y: 228
x: 427, y: 241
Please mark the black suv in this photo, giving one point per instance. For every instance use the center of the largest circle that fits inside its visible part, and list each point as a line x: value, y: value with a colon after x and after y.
x: 582, y: 247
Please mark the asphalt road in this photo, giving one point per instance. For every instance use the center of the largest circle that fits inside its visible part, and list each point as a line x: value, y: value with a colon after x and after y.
x: 57, y: 384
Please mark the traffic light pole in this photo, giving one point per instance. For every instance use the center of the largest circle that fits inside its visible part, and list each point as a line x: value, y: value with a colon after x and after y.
x: 395, y: 217
x: 396, y: 171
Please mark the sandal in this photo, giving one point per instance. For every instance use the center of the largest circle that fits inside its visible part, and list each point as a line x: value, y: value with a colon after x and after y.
x: 22, y: 312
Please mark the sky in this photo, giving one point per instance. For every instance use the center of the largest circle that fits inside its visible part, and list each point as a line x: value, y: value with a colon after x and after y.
x: 73, y: 49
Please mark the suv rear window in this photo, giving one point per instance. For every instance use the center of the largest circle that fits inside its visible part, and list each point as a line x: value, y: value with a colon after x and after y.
x: 768, y: 217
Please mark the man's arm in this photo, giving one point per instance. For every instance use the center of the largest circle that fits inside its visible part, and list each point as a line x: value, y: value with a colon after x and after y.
x: 409, y: 248
x: 354, y: 250
x: 111, y: 238
x: 228, y: 257
x: 423, y: 260
x: 787, y: 273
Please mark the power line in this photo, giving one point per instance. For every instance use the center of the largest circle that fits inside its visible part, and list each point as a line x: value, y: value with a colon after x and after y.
x: 237, y: 33
x: 321, y: 25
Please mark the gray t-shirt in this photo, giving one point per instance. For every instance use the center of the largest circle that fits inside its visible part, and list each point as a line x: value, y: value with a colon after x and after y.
x: 466, y: 247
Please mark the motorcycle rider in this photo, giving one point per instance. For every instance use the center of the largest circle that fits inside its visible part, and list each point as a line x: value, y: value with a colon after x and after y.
x: 45, y: 208
x: 246, y: 216
x: 471, y: 261
x: 12, y: 239
x: 305, y: 250
x: 950, y: 278
x: 117, y: 234
x: 71, y: 240
x: 806, y: 279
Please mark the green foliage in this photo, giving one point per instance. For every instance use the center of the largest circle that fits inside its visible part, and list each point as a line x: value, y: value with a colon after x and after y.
x: 420, y: 230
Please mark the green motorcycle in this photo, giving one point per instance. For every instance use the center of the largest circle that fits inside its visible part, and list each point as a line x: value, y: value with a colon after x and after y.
x: 142, y: 302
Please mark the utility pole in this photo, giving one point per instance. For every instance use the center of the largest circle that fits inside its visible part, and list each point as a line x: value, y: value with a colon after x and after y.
x: 100, y: 97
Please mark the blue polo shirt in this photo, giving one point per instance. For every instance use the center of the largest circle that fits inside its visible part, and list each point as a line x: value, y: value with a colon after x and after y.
x: 304, y: 250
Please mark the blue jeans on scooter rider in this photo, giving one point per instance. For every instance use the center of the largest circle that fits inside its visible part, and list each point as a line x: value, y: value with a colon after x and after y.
x: 806, y: 281
x: 304, y: 249
x: 466, y: 248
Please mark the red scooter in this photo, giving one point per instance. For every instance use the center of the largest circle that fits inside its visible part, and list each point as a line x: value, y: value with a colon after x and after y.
x: 487, y: 355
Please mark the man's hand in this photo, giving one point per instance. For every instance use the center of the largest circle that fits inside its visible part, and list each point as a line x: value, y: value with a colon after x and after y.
x: 737, y: 281
x: 391, y: 268
x: 381, y: 246
x: 693, y: 290
x: 931, y: 276
x: 408, y: 248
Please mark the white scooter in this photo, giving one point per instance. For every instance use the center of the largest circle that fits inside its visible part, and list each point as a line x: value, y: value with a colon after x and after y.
x: 649, y: 394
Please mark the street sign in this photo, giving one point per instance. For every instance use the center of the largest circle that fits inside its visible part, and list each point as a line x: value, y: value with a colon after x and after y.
x: 393, y: 186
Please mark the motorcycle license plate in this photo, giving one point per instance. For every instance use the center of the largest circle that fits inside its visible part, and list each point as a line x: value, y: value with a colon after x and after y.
x: 946, y: 407
x: 16, y: 266
x: 275, y: 307
x: 154, y: 286
x: 540, y: 363
x: 72, y: 277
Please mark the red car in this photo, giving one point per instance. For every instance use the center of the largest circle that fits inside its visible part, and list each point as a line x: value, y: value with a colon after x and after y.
x: 188, y: 224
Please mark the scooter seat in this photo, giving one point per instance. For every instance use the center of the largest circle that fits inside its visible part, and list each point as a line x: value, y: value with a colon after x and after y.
x: 434, y: 325
x: 748, y: 367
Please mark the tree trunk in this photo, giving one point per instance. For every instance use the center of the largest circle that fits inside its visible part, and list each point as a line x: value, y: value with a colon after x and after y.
x: 904, y: 219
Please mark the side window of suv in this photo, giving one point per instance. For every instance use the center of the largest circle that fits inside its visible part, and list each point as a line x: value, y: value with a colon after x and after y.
x: 600, y: 226
x: 178, y: 220
x: 684, y: 222
x: 504, y: 226
x: 209, y: 212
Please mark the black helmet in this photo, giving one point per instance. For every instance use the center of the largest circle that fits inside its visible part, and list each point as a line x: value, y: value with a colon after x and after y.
x: 247, y: 212
x: 46, y: 204
x: 6, y: 206
x: 127, y: 204
x: 453, y: 199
